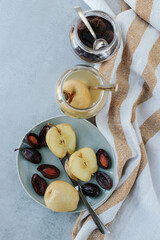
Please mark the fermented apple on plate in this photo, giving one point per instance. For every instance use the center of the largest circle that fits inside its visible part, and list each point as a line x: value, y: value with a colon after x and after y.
x: 83, y: 163
x: 61, y: 139
x: 60, y: 196
x: 82, y: 135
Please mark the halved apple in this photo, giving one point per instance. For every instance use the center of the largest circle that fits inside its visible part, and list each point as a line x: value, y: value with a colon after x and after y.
x: 83, y: 163
x: 77, y: 93
x: 69, y: 171
x: 61, y: 139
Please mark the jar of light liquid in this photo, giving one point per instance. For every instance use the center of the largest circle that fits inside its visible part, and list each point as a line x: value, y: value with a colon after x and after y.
x: 75, y: 95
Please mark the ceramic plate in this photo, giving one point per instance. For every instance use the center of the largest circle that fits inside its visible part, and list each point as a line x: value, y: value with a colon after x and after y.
x: 87, y: 135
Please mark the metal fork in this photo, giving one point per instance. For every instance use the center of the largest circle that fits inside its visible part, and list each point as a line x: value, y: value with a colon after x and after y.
x: 102, y: 228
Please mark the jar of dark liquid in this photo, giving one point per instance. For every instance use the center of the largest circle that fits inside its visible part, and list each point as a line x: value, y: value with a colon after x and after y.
x: 104, y: 27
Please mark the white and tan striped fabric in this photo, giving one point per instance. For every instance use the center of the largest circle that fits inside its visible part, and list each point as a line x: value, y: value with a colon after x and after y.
x: 131, y: 123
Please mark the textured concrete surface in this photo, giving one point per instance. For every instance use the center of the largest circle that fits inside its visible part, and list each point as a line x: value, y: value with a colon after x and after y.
x: 34, y: 52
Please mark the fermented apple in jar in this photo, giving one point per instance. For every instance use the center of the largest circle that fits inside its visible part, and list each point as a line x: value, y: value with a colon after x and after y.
x: 75, y: 94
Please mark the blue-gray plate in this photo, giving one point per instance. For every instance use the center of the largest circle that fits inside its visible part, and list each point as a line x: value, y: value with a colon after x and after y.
x: 87, y: 135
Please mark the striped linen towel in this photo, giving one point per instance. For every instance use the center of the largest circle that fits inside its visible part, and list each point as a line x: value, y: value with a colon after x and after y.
x: 130, y: 121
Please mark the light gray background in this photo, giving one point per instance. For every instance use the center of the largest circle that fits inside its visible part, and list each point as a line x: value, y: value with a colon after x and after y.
x: 34, y: 52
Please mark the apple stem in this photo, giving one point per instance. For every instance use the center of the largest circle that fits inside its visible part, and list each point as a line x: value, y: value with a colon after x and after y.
x: 71, y: 97
x: 50, y: 124
x: 18, y: 149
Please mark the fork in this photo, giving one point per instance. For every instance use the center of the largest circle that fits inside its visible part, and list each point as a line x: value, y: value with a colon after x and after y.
x: 102, y: 228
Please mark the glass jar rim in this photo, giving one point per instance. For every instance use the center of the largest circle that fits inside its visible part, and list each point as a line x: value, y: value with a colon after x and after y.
x: 106, y: 17
x: 78, y: 68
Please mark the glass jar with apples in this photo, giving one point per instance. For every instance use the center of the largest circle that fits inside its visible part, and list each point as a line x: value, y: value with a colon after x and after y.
x: 75, y: 93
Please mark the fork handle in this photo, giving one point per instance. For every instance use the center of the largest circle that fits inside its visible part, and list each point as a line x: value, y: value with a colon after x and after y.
x: 103, y: 229
x: 106, y: 87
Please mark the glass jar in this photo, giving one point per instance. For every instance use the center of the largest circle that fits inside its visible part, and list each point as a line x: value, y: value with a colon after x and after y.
x: 89, y: 54
x: 90, y: 77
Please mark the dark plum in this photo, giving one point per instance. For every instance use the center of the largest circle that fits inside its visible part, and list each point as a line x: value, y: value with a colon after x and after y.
x: 39, y: 184
x: 30, y: 154
x: 104, y: 180
x: 103, y: 159
x: 49, y: 171
x: 33, y: 140
x: 102, y: 28
x: 42, y: 135
x: 90, y: 189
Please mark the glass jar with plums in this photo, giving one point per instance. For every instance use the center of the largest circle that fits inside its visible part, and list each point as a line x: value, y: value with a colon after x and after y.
x: 104, y: 27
